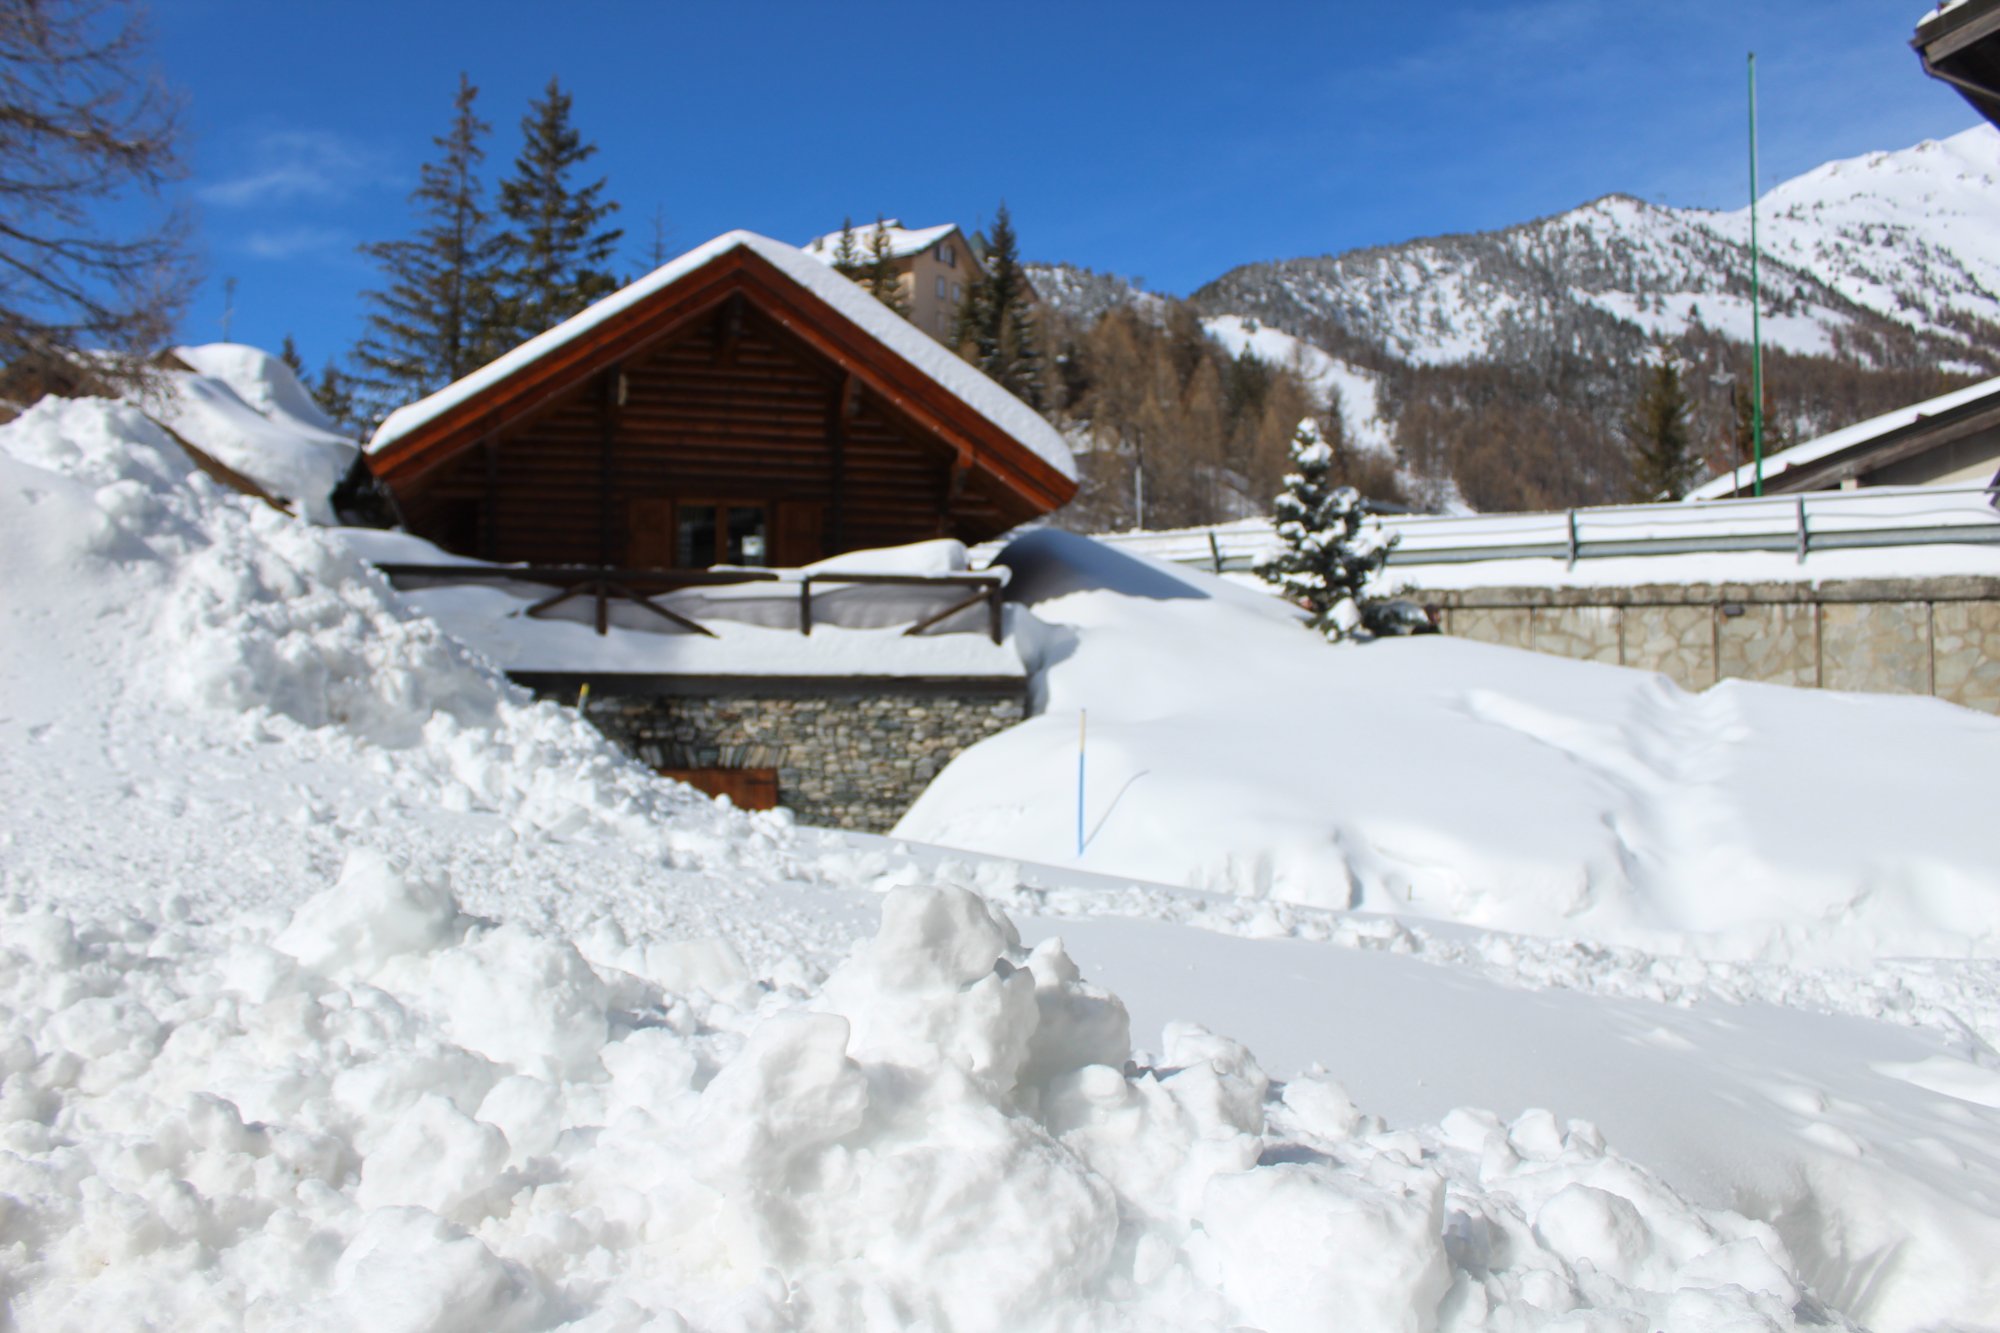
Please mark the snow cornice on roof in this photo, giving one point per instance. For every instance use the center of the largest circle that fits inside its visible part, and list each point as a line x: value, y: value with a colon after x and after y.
x: 479, y: 400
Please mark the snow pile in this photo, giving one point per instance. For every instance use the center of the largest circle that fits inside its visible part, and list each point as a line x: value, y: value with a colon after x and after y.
x: 1440, y: 778
x: 385, y: 1113
x: 246, y: 409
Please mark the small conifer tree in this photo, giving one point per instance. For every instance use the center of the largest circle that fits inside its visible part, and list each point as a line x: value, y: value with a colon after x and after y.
x: 847, y: 252
x: 1328, y: 551
x: 879, y: 273
x: 288, y: 353
x: 1663, y: 453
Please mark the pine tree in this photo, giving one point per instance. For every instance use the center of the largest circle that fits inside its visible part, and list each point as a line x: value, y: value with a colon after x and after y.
x: 1744, y: 438
x: 433, y: 320
x: 1663, y: 454
x: 880, y: 277
x: 334, y: 392
x: 996, y: 327
x: 553, y: 253
x: 288, y: 352
x: 847, y: 252
x: 1328, y: 552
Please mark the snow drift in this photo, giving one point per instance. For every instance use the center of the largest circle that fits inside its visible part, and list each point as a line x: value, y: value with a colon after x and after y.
x: 1440, y: 778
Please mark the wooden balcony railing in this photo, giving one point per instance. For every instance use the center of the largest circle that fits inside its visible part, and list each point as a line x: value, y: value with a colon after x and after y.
x: 643, y: 587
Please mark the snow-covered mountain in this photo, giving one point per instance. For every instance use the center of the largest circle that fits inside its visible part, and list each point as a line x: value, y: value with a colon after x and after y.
x: 1888, y: 259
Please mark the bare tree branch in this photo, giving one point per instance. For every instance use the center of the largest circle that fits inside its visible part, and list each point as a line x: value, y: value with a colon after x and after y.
x: 84, y: 129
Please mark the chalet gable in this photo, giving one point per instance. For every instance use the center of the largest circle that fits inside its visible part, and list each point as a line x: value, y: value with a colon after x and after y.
x: 746, y: 376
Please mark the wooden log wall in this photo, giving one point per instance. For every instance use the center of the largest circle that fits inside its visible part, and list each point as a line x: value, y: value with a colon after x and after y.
x: 733, y: 409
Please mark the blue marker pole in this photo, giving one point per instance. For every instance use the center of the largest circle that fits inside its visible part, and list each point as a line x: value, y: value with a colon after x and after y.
x: 1080, y: 722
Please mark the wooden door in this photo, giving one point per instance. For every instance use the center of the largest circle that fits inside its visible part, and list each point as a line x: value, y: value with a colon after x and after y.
x: 799, y: 539
x: 649, y: 534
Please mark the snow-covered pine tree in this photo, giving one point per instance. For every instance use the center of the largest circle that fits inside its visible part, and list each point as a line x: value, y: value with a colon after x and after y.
x: 555, y: 252
x: 432, y: 321
x: 1328, y: 549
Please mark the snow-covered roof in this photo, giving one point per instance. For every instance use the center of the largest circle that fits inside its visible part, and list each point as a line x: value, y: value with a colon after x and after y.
x: 246, y: 409
x: 884, y: 325
x: 903, y: 242
x: 1776, y: 465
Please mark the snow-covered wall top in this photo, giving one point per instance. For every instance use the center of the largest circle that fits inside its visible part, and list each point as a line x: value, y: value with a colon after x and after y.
x: 879, y: 322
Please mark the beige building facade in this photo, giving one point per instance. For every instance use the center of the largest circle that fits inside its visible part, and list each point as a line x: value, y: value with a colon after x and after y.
x: 935, y: 268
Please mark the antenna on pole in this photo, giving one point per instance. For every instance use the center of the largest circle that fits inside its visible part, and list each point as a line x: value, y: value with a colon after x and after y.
x: 1756, y: 325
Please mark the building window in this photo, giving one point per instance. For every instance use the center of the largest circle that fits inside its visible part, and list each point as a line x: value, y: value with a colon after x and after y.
x: 957, y: 292
x: 719, y: 534
x: 944, y: 330
x: 948, y: 255
x: 941, y: 287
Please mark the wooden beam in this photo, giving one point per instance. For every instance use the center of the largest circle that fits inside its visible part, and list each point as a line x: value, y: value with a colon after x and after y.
x: 847, y: 389
x: 489, y: 527
x: 729, y: 329
x: 607, y: 436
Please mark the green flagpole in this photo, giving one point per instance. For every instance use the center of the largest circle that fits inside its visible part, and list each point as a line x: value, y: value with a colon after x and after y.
x: 1756, y: 325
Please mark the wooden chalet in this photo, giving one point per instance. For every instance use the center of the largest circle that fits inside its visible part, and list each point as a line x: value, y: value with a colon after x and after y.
x: 743, y: 405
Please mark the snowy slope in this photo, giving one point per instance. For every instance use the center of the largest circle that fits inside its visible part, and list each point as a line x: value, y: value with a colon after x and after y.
x: 1355, y: 390
x: 1908, y: 234
x: 341, y: 986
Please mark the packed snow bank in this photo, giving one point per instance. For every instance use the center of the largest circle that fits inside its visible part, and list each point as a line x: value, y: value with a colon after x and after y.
x: 1432, y: 777
x: 385, y: 1113
x: 246, y: 409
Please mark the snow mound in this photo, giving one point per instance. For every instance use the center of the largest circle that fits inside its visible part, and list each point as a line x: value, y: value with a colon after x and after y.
x: 1231, y: 750
x: 383, y: 1112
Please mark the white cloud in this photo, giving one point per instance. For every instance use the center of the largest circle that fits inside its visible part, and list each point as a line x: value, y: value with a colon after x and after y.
x: 290, y: 166
x: 293, y: 242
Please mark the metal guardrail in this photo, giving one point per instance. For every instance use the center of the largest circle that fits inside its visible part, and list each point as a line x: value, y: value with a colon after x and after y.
x: 1780, y: 523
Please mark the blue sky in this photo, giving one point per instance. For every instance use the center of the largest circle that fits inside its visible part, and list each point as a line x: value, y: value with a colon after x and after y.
x: 1165, y: 140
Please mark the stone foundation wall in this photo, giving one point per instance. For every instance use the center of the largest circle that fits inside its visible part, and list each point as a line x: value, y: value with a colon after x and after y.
x: 848, y: 755
x: 1936, y: 636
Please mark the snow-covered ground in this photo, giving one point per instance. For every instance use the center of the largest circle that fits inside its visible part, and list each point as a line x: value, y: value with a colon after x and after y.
x: 341, y: 986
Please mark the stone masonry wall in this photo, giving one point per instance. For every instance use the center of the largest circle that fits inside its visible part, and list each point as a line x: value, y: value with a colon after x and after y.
x: 1937, y: 636
x: 847, y: 757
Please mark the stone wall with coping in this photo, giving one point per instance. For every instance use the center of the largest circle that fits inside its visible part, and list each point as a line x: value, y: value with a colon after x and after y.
x: 850, y: 753
x: 1936, y: 636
